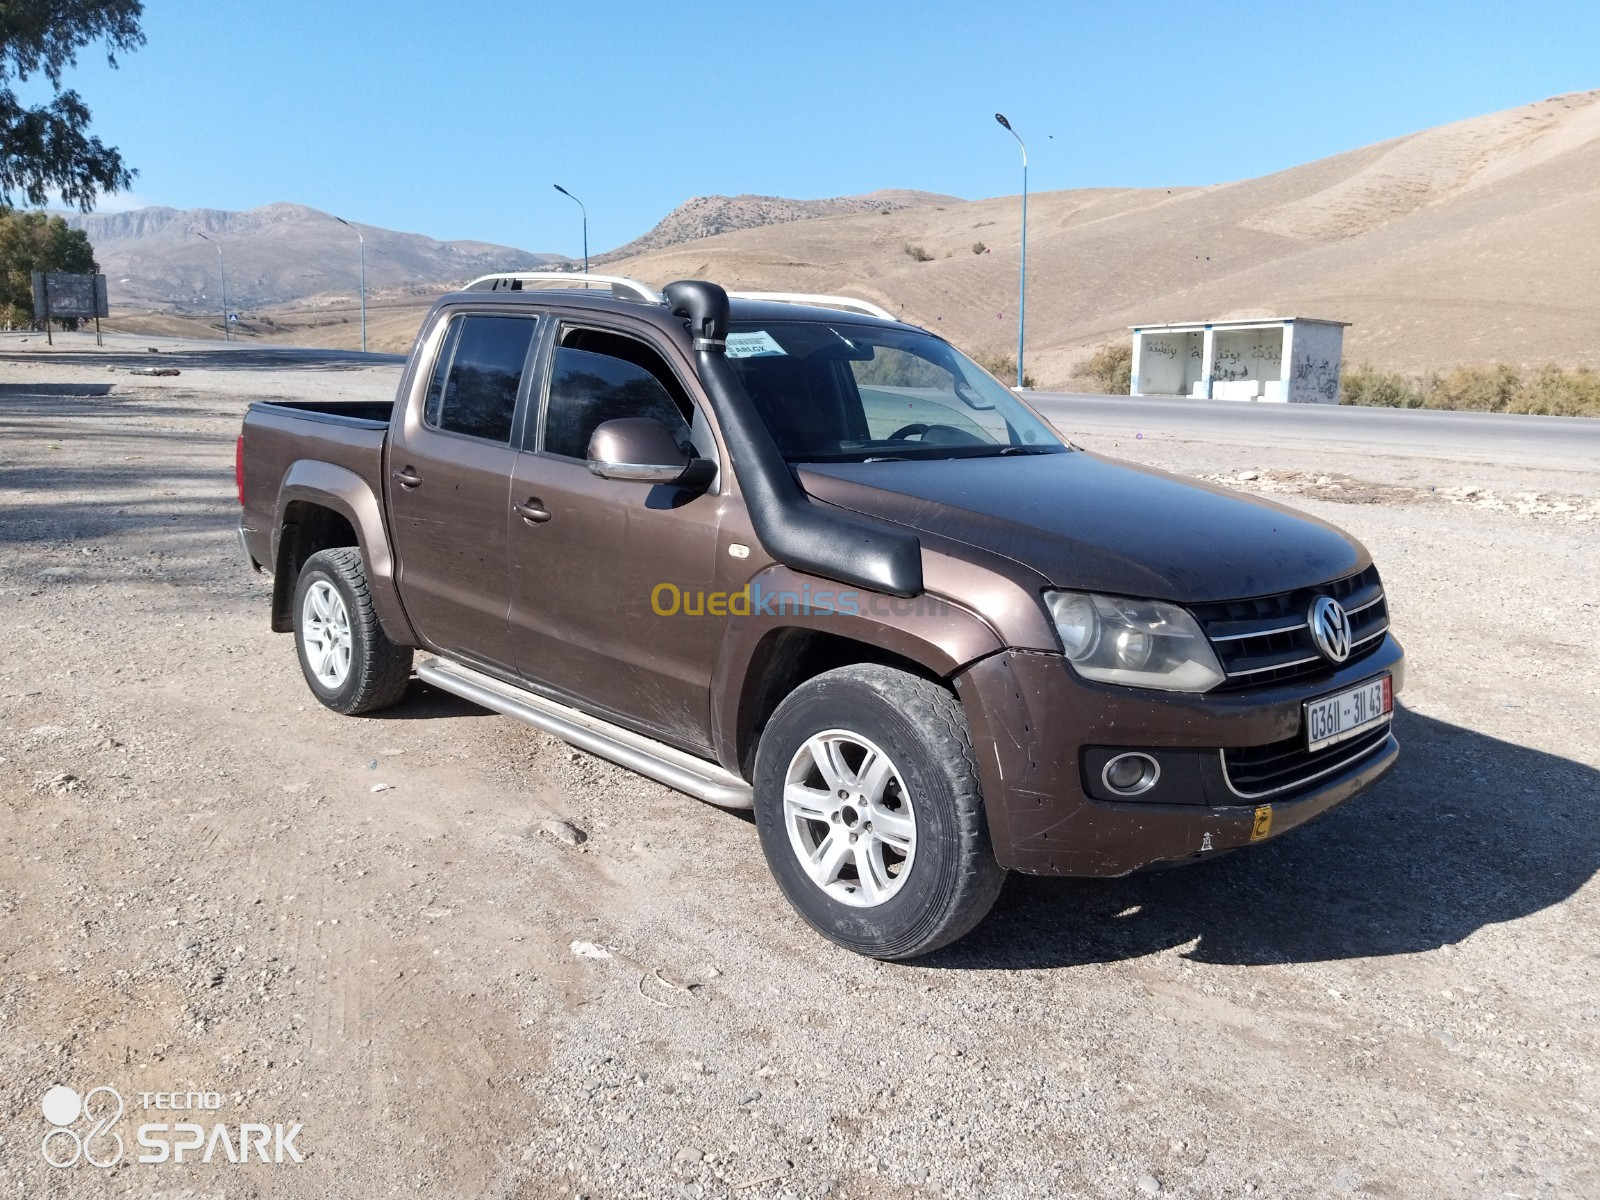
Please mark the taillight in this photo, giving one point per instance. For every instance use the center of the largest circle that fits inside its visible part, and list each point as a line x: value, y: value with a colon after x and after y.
x: 238, y: 468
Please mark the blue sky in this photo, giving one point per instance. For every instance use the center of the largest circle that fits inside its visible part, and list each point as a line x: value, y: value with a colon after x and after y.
x: 454, y: 119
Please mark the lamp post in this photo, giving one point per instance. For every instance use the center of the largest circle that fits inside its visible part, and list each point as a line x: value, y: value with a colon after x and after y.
x: 1022, y: 285
x: 363, y: 252
x: 585, y: 212
x: 222, y: 278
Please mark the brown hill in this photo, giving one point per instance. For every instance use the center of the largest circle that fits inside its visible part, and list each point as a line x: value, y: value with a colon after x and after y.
x: 707, y: 216
x: 1471, y: 242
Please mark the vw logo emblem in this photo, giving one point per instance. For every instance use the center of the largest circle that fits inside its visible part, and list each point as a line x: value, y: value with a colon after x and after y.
x: 1330, y: 629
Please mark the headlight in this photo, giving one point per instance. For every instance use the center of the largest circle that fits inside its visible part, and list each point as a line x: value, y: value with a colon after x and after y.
x: 1144, y: 643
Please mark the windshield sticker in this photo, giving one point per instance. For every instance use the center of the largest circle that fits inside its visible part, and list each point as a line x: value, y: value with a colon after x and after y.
x: 759, y: 344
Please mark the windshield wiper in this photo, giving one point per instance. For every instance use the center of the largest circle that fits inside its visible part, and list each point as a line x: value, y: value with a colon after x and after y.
x: 884, y: 458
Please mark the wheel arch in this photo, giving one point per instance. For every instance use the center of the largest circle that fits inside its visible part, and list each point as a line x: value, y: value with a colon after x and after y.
x: 764, y: 658
x: 322, y: 506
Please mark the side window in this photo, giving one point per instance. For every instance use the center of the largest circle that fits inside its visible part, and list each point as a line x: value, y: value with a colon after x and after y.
x: 474, y: 385
x: 597, y: 377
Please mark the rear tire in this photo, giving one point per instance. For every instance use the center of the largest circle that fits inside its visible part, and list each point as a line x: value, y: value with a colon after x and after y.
x: 870, y: 813
x: 349, y: 663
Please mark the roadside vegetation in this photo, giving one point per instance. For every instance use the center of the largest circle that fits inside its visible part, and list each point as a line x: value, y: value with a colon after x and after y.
x: 1004, y: 368
x: 1548, y: 391
x: 1108, y: 371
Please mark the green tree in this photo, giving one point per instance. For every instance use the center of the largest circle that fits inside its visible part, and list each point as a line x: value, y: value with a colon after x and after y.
x: 47, y: 150
x: 34, y: 241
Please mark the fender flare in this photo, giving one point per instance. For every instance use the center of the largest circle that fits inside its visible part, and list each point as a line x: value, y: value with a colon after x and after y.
x: 938, y: 635
x: 348, y: 494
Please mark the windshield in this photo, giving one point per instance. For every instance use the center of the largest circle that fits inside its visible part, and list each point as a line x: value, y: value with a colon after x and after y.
x: 837, y: 392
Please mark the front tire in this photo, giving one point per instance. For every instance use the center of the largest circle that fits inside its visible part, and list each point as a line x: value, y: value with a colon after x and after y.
x: 870, y: 812
x: 349, y: 663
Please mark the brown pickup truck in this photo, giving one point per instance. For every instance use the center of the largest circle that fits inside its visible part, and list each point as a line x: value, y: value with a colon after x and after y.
x: 788, y: 553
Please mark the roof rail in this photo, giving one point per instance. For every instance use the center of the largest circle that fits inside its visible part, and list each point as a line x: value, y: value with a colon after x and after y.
x: 845, y: 302
x: 513, y: 280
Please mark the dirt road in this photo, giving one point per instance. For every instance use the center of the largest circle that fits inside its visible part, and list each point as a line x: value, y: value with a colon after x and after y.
x: 210, y: 884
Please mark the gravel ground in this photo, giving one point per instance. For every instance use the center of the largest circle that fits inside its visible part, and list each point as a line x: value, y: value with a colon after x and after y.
x: 379, y: 929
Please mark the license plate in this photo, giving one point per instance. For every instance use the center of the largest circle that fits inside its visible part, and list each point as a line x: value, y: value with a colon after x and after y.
x: 1334, y: 719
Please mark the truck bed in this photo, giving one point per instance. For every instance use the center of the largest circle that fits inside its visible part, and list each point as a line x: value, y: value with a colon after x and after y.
x: 343, y: 412
x: 290, y: 443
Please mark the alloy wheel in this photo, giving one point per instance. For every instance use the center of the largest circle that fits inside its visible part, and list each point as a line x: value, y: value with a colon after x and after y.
x: 849, y: 818
x: 325, y: 630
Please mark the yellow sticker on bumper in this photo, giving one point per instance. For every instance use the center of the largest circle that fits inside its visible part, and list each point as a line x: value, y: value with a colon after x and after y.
x: 1263, y: 823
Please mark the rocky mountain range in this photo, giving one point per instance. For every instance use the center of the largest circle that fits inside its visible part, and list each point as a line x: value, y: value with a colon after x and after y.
x: 276, y: 254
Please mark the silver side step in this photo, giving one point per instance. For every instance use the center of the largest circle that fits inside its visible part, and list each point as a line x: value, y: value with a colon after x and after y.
x: 666, y: 764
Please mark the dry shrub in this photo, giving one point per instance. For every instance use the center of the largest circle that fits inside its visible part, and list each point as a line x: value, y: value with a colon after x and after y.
x: 1109, y: 370
x: 1366, y: 385
x: 1548, y: 391
x: 1557, y: 393
x: 1004, y: 368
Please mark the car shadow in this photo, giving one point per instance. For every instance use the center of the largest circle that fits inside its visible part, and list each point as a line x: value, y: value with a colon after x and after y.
x: 55, y: 389
x: 424, y: 702
x: 1468, y: 831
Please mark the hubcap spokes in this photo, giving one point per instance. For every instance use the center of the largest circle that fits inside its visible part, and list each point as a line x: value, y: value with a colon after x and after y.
x: 849, y: 818
x: 326, y: 625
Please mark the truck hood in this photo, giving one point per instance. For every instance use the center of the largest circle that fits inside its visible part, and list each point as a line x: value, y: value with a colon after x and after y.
x: 1082, y: 521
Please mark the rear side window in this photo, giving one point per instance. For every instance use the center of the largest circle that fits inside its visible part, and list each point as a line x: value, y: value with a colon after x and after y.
x: 600, y: 376
x: 476, y: 380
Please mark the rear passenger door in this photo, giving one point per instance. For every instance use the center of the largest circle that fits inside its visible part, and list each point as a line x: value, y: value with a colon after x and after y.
x: 449, y: 484
x: 587, y: 553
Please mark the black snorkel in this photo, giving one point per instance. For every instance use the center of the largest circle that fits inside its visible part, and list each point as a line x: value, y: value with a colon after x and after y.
x: 795, y: 530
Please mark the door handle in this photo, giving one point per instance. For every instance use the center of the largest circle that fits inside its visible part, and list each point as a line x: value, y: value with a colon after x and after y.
x: 408, y: 477
x: 533, y: 512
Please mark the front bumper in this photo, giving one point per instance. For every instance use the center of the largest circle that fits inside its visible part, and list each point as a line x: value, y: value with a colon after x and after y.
x: 1032, y: 720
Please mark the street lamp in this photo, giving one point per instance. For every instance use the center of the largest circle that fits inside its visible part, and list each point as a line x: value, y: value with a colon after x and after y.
x: 1022, y: 285
x: 222, y: 278
x: 585, y: 212
x: 363, y: 253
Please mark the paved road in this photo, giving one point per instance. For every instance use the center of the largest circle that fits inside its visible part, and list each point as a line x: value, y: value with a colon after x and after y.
x: 1571, y: 443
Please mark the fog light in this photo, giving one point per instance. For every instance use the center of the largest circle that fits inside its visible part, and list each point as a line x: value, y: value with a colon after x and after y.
x: 1131, y: 774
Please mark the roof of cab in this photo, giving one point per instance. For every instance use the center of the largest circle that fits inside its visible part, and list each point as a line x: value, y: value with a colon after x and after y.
x: 778, y: 310
x: 604, y: 300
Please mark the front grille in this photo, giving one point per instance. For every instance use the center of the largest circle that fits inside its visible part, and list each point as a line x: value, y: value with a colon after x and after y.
x: 1267, y: 639
x: 1258, y: 771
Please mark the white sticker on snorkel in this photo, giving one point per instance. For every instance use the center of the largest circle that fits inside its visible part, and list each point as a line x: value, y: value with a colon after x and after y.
x: 759, y: 344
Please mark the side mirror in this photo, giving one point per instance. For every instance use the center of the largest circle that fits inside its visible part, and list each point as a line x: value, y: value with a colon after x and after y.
x: 643, y: 450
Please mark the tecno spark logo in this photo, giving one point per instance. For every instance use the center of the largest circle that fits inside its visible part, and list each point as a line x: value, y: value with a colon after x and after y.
x: 97, y: 1143
x: 85, y: 1129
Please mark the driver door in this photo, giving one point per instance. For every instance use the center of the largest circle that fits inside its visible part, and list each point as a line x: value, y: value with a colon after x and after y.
x: 593, y: 566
